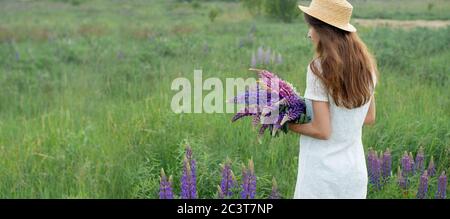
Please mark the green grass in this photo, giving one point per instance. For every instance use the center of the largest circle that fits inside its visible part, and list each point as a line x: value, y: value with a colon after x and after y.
x: 402, y: 9
x: 85, y: 96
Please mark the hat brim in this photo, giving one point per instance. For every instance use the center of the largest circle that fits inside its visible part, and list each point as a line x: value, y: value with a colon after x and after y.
x: 348, y: 27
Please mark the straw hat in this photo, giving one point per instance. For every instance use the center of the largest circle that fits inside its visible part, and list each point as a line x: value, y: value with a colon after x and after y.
x: 333, y: 12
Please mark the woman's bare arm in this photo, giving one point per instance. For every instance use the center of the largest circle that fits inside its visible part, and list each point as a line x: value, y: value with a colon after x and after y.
x: 320, y: 126
x: 370, y: 117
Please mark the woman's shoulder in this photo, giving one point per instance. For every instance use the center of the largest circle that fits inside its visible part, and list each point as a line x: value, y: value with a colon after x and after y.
x: 315, y: 63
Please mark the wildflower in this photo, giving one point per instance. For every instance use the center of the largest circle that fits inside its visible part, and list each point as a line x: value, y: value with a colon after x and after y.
x: 228, y: 179
x: 220, y: 194
x: 419, y: 164
x: 248, y: 181
x: 370, y: 157
x: 252, y: 29
x: 376, y: 170
x: 188, y: 178
x: 441, y: 192
x: 423, y: 186
x: 241, y: 43
x: 253, y: 61
x: 120, y: 55
x: 274, y: 194
x: 411, y: 160
x: 260, y: 55
x: 279, y: 59
x: 386, y: 164
x: 406, y: 164
x: 267, y: 56
x: 205, y: 48
x: 165, y: 186
x: 431, y: 167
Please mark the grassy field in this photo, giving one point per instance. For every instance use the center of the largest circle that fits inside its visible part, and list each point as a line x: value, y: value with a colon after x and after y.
x: 85, y: 94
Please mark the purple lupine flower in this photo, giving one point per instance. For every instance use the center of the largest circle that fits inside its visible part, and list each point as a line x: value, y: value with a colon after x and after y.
x: 431, y: 167
x: 402, y: 181
x: 252, y: 180
x: 228, y: 180
x: 260, y: 55
x: 241, y: 43
x: 188, y: 178
x: 165, y: 186
x: 386, y: 164
x: 256, y: 120
x: 220, y: 194
x: 279, y: 60
x: 376, y: 170
x: 278, y: 122
x: 423, y: 186
x: 268, y: 79
x: 273, y: 57
x: 252, y: 29
x: 267, y: 56
x: 441, y: 192
x: 120, y: 55
x: 419, y: 164
x: 275, y: 194
x: 411, y: 160
x: 193, y: 166
x: 205, y: 48
x: 248, y: 181
x: 374, y: 167
x: 244, y: 185
x: 17, y: 56
x: 296, y: 107
x: 253, y: 62
x: 406, y: 164
x: 251, y: 97
x: 247, y: 111
x: 261, y: 130
x: 193, y: 179
x: 272, y: 95
x: 370, y: 157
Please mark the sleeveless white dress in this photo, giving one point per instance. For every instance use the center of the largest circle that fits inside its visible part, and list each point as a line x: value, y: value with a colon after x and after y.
x: 333, y: 168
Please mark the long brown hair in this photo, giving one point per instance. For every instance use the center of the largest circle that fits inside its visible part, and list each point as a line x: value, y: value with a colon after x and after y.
x: 345, y: 62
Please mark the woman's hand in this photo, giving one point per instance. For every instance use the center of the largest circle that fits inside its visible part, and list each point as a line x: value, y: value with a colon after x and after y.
x: 320, y: 126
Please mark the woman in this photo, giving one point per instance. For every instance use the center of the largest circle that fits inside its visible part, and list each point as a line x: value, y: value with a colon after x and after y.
x: 340, y: 93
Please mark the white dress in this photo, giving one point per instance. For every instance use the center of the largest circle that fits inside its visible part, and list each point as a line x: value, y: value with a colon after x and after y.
x: 333, y: 168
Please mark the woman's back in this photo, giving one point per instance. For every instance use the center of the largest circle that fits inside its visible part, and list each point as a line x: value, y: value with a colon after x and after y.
x: 337, y: 161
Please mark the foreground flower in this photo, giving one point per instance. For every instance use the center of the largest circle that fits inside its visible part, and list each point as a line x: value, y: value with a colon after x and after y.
x: 188, y: 178
x: 419, y: 164
x: 423, y: 186
x: 441, y: 192
x: 165, y: 186
x: 406, y: 164
x: 274, y: 194
x: 431, y: 167
x: 220, y: 194
x: 386, y: 164
x: 374, y: 171
x: 248, y: 181
x: 228, y: 179
x: 370, y: 157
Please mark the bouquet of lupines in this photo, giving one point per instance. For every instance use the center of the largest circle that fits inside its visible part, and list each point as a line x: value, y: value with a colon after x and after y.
x: 272, y: 104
